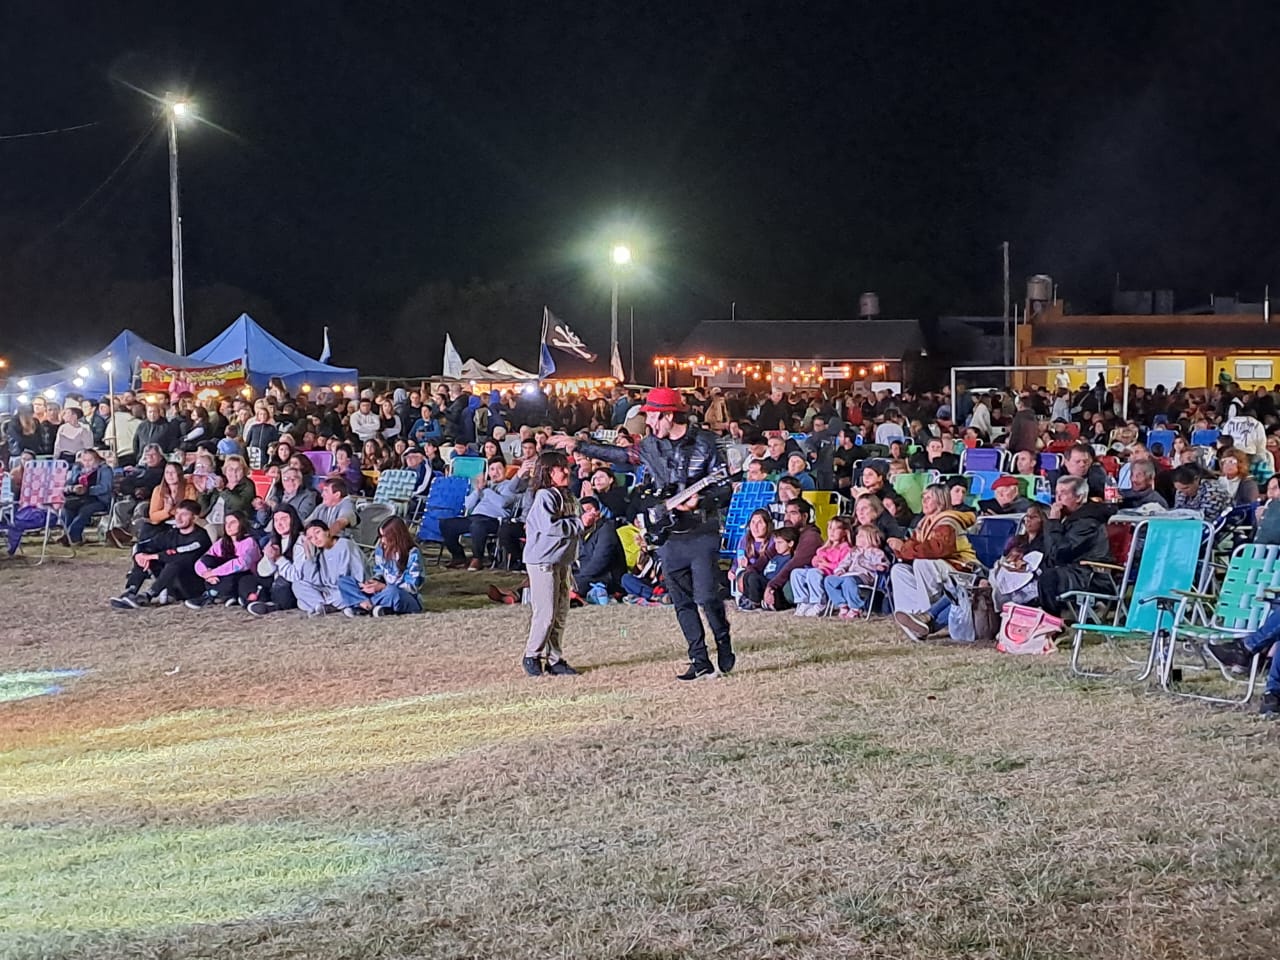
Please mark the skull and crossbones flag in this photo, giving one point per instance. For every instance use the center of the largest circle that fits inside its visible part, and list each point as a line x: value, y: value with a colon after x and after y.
x: 556, y: 333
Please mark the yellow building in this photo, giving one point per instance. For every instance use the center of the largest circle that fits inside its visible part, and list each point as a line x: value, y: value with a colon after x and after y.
x: 1188, y: 349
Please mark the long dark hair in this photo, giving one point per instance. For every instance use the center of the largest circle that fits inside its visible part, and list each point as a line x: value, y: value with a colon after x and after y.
x: 548, y: 459
x: 227, y: 546
x: 749, y: 544
x: 295, y: 527
x: 397, y: 541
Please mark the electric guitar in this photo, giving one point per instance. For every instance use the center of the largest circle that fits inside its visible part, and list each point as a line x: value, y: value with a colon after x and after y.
x: 662, y: 519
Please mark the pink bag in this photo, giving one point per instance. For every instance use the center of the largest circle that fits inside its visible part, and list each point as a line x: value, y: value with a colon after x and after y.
x: 1026, y: 629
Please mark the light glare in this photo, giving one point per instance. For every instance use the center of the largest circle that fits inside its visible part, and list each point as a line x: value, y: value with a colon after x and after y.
x: 621, y: 255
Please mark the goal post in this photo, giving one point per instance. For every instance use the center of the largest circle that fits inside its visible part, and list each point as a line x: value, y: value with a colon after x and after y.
x: 1089, y: 369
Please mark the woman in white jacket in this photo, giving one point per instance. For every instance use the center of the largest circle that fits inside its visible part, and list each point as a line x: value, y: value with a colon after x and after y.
x: 553, y: 533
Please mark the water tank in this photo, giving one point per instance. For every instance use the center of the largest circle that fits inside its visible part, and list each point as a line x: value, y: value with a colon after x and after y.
x: 869, y: 305
x: 1039, y: 288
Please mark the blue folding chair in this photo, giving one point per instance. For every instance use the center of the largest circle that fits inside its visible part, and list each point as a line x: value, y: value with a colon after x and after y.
x: 1205, y: 438
x: 446, y: 498
x: 750, y: 496
x: 986, y: 459
x: 990, y: 535
x: 980, y: 482
x: 1163, y: 437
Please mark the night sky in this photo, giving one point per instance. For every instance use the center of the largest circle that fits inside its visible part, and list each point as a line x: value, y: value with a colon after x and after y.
x: 397, y: 170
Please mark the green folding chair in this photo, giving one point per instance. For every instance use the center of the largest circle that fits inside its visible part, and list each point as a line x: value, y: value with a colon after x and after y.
x: 1170, y: 555
x: 911, y: 487
x: 1251, y: 582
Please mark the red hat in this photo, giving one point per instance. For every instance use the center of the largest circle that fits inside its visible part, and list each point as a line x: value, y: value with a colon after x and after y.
x: 663, y: 400
x: 1005, y: 482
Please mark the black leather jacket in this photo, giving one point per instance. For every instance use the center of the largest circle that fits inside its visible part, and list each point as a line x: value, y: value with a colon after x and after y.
x: 672, y: 465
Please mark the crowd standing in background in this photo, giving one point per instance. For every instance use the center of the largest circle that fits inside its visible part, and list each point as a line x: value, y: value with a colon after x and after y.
x: 872, y: 496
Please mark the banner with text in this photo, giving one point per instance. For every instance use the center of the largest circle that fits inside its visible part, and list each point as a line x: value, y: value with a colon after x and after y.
x: 224, y: 378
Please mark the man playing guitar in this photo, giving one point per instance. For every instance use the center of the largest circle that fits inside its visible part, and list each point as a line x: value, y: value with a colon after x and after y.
x: 678, y: 455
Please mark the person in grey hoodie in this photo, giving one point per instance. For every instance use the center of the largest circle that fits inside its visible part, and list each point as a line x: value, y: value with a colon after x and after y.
x: 317, y: 591
x: 493, y: 500
x: 553, y: 533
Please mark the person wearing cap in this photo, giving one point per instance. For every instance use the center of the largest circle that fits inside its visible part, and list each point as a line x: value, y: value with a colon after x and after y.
x: 676, y: 455
x: 1006, y: 498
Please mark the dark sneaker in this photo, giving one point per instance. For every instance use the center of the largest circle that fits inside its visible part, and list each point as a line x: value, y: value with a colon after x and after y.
x: 917, y: 626
x: 725, y: 660
x: 1231, y: 653
x: 1270, y: 704
x: 233, y: 602
x: 562, y: 669
x: 533, y: 666
x: 125, y: 602
x: 329, y: 608
x: 697, y: 671
x: 260, y: 608
x: 745, y: 604
x: 196, y: 603
x: 379, y: 611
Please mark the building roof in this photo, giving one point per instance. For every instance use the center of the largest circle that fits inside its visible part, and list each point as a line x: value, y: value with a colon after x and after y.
x: 865, y: 339
x: 1152, y: 333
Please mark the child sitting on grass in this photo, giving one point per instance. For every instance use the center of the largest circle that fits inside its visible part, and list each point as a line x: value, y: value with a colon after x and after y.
x: 859, y: 569
x: 784, y: 541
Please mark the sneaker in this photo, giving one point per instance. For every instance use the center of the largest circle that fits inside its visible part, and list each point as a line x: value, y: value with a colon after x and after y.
x: 162, y: 600
x: 350, y: 612
x: 474, y: 566
x: 561, y: 669
x: 697, y: 671
x: 125, y: 601
x: 379, y: 611
x: 196, y: 603
x: 260, y: 608
x: 1231, y: 653
x: 914, y: 625
x: 1270, y: 704
x: 802, y: 609
x: 745, y: 604
x: 233, y: 602
x: 330, y: 608
x: 533, y: 666
x: 725, y: 660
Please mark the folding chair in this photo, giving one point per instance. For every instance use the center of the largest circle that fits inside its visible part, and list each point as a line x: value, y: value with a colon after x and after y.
x: 446, y: 498
x: 1163, y: 437
x: 980, y: 482
x: 1251, y: 582
x: 43, y: 488
x: 394, y: 489
x: 369, y: 517
x: 827, y: 505
x: 990, y: 535
x: 1170, y: 556
x: 981, y: 459
x: 750, y: 496
x: 1050, y: 462
x: 467, y: 467
x: 1205, y: 438
x: 911, y: 487
x: 321, y: 461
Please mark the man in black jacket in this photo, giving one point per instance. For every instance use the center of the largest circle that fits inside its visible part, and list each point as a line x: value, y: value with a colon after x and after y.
x: 135, y: 486
x: 677, y: 455
x: 170, y: 556
x: 600, y: 557
x: 155, y: 429
x: 1075, y: 532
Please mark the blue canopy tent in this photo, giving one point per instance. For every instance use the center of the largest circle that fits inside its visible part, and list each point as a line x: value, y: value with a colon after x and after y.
x: 125, y: 351
x: 266, y: 357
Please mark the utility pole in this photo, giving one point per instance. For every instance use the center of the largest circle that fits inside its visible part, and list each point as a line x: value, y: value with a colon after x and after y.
x: 176, y: 109
x: 1004, y: 248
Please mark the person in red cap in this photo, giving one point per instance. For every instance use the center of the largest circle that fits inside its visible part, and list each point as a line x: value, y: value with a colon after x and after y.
x: 1006, y: 497
x: 677, y: 454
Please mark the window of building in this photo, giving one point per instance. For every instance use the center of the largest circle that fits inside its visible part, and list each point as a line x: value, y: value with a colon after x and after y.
x: 1253, y: 370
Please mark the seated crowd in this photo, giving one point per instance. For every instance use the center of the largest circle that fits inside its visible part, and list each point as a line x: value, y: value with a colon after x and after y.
x: 872, y: 499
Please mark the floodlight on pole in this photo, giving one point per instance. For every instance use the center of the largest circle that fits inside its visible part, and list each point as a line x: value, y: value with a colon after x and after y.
x: 621, y: 255
x: 176, y: 108
x: 621, y: 258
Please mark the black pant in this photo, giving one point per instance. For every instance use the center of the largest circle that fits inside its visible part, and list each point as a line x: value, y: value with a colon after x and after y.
x: 511, y: 540
x: 754, y: 585
x: 691, y: 571
x: 1055, y: 581
x: 276, y: 589
x: 481, y: 529
x: 176, y: 576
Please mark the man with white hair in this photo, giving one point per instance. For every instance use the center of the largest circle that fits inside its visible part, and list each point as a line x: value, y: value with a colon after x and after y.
x: 1075, y: 532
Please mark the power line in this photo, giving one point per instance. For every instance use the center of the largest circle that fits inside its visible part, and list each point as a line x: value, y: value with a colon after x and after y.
x: 48, y: 133
x: 100, y: 187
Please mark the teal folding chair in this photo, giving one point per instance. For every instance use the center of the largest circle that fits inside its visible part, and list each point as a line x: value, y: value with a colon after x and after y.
x: 1251, y: 582
x: 469, y: 467
x: 1170, y: 555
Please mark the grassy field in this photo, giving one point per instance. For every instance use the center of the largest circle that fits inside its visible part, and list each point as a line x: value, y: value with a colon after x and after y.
x: 219, y: 786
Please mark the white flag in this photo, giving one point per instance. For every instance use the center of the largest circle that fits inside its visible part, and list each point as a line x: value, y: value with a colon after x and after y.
x: 324, y: 354
x: 452, y: 362
x: 616, y: 364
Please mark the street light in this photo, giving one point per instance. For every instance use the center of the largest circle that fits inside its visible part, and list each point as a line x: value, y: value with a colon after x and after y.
x: 176, y: 108
x: 621, y: 258
x: 109, y: 369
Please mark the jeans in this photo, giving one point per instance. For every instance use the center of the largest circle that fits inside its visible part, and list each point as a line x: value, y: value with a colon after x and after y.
x: 78, y: 512
x: 844, y: 591
x: 691, y: 567
x: 806, y: 585
x: 1261, y: 640
x: 390, y: 597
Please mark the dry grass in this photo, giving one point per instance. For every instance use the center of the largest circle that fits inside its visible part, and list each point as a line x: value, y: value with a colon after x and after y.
x: 216, y: 786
